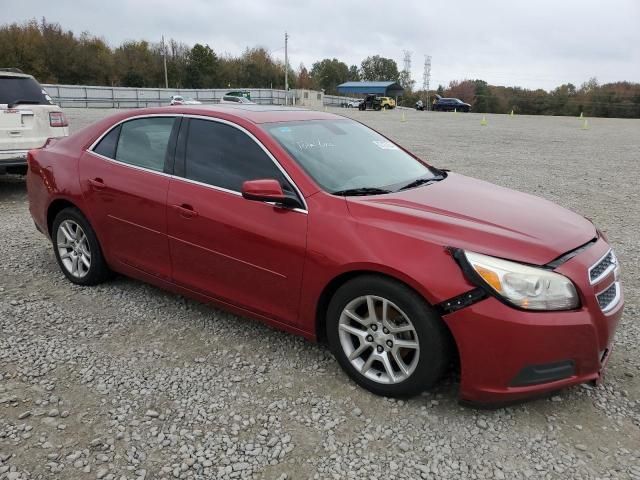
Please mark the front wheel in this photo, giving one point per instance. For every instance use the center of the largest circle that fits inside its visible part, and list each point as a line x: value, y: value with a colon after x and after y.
x: 386, y: 337
x: 77, y: 249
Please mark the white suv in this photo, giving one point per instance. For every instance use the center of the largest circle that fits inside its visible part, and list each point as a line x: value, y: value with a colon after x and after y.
x: 28, y: 118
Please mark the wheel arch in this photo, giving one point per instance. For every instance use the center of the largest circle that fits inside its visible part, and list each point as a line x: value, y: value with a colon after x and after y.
x: 55, y: 207
x: 332, y: 287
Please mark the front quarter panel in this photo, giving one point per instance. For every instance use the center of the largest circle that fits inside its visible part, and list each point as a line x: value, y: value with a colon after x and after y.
x: 339, y: 244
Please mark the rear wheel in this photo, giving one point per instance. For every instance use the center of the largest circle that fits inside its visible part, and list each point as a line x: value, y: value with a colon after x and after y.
x: 77, y: 249
x: 386, y: 337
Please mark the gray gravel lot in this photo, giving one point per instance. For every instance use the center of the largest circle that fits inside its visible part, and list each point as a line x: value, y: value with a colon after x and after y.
x: 125, y: 381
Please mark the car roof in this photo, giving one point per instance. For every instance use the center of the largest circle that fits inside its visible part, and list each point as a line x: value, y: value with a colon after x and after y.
x: 252, y: 112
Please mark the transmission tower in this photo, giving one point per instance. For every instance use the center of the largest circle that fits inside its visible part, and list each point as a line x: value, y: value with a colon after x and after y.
x: 426, y: 78
x: 407, y: 61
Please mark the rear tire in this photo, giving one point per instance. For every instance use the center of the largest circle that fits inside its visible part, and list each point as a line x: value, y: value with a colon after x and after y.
x: 77, y: 249
x: 386, y: 337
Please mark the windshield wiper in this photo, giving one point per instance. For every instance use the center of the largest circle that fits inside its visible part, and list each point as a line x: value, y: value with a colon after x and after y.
x: 361, y: 191
x: 421, y: 181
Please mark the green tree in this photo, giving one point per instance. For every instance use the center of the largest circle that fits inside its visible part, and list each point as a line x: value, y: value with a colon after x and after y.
x: 379, y: 68
x: 329, y: 73
x: 202, y: 67
x: 136, y: 65
x: 354, y: 74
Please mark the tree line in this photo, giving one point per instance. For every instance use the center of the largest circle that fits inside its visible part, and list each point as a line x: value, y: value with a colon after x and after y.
x: 55, y: 55
x: 617, y: 99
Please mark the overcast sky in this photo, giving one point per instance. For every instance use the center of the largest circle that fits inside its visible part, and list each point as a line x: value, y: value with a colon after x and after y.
x: 534, y: 44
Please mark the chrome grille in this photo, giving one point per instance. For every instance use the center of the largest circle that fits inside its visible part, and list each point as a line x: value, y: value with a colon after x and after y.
x: 602, y: 268
x: 608, y: 298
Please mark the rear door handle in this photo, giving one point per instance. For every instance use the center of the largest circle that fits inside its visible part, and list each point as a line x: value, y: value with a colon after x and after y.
x: 186, y: 210
x: 97, y: 183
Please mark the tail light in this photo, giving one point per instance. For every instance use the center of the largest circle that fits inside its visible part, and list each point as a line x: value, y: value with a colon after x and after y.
x: 57, y: 119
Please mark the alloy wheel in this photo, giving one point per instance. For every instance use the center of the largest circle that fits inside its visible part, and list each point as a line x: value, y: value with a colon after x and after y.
x: 379, y: 339
x: 73, y: 248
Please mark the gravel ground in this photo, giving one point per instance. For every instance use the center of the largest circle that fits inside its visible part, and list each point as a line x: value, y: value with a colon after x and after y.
x: 125, y: 381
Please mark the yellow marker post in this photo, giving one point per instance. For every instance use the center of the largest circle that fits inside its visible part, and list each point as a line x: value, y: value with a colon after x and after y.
x: 455, y: 110
x: 404, y: 119
x: 581, y: 115
x: 511, y: 114
x: 483, y: 122
x: 585, y: 125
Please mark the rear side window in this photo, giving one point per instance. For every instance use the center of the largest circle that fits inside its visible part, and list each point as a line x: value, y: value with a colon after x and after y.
x: 21, y: 89
x: 107, y: 146
x: 143, y: 142
x: 223, y: 156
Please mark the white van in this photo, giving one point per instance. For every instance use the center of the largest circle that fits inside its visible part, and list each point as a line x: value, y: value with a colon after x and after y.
x: 28, y: 118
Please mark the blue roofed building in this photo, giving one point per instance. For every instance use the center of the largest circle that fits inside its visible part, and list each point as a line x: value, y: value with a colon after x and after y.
x: 383, y: 89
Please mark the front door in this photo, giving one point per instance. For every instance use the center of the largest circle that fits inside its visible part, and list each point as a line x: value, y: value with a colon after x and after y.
x: 246, y: 253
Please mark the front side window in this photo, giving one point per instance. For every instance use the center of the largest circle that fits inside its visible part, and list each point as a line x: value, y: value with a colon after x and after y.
x: 143, y: 142
x: 343, y: 155
x: 223, y: 156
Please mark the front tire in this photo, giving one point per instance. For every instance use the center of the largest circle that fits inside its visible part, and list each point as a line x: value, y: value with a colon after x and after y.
x: 386, y: 337
x: 77, y: 249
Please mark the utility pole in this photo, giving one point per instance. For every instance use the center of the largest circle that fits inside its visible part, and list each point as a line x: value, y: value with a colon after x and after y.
x: 164, y: 59
x: 286, y: 69
x: 426, y: 78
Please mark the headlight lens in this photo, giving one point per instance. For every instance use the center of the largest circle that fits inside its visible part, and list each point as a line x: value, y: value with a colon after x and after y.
x: 526, y: 287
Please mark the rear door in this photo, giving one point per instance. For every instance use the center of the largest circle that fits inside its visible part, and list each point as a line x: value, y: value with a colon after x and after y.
x: 246, y: 253
x: 125, y: 180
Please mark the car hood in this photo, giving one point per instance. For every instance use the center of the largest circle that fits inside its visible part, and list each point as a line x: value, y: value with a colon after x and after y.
x: 472, y: 214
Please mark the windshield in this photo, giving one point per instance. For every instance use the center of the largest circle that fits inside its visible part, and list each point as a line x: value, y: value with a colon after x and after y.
x: 345, y: 155
x: 25, y: 89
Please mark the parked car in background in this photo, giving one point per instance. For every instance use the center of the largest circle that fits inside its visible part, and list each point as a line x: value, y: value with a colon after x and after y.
x: 236, y: 100
x: 239, y: 93
x: 387, y: 103
x: 370, y: 102
x: 318, y: 225
x: 450, y: 104
x: 181, y: 100
x: 354, y: 103
x: 28, y: 118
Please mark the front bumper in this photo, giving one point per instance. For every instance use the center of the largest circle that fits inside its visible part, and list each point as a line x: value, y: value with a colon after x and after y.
x: 508, y: 355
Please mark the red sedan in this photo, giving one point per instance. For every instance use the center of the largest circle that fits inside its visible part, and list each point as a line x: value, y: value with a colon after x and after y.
x: 320, y: 226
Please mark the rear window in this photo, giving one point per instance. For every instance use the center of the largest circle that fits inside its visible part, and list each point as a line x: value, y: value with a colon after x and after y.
x: 25, y: 89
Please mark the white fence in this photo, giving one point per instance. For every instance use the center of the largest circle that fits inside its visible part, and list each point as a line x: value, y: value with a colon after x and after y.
x: 125, y: 97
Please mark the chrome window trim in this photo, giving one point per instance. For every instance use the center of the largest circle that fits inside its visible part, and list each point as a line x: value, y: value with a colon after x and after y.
x: 136, y: 117
x: 134, y: 167
x: 90, y: 149
x: 182, y: 179
x: 616, y: 298
x: 264, y: 149
x: 607, y: 271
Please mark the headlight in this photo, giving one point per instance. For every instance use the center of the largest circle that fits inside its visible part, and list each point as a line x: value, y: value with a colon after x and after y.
x: 525, y: 287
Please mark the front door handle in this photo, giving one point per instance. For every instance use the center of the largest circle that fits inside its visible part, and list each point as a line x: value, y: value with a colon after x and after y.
x: 97, y: 183
x: 186, y: 210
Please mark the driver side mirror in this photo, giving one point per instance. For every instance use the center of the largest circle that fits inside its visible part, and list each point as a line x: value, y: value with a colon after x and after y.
x: 269, y: 190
